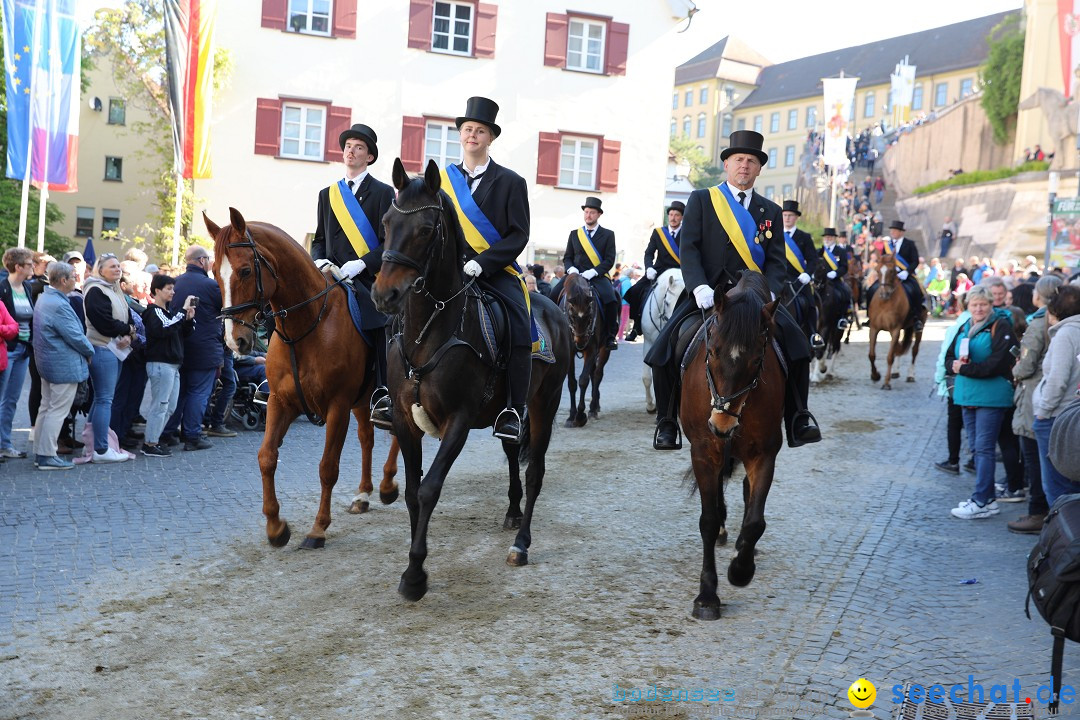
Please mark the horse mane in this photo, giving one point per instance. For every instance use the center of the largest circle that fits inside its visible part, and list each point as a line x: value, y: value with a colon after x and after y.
x: 740, y: 318
x: 417, y: 191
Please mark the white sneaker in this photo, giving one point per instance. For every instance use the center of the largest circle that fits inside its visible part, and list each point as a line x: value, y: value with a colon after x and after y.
x: 110, y: 456
x: 971, y: 510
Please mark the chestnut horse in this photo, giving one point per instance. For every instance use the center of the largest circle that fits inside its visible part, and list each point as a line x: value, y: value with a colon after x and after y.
x: 582, y: 308
x: 317, y: 363
x: 888, y: 310
x: 734, y: 370
x: 442, y: 378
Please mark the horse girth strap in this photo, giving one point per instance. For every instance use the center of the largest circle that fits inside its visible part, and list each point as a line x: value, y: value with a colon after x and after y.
x: 314, y: 418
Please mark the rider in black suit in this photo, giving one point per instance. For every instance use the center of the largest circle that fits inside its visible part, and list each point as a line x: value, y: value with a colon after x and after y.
x: 334, y: 253
x: 905, y: 249
x: 836, y: 277
x: 798, y: 278
x: 710, y: 263
x: 658, y: 259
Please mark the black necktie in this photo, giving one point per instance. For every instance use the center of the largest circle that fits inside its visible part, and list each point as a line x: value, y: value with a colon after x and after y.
x: 351, y: 183
x: 470, y: 179
x: 742, y: 198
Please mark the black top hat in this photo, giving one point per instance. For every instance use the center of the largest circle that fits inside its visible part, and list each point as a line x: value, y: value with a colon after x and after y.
x: 746, y: 141
x: 678, y: 206
x: 828, y: 232
x: 481, y: 110
x: 897, y: 225
x: 594, y: 203
x: 793, y: 206
x: 362, y: 132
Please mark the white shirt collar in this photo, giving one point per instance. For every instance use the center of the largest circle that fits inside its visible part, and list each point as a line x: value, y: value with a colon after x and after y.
x: 356, y: 180
x: 673, y: 230
x: 477, y: 170
x: 735, y: 194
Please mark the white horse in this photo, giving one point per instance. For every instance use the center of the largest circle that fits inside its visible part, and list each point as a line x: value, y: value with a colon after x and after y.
x: 657, y: 311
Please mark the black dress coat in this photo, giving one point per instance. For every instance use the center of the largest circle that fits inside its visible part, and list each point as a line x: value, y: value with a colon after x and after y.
x: 805, y: 243
x: 603, y: 240
x: 840, y: 253
x: 657, y: 256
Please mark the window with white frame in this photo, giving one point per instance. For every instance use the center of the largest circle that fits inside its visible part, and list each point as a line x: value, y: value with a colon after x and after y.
x: 585, y: 45
x: 701, y: 120
x: 110, y: 220
x: 967, y: 86
x: 442, y: 143
x: 310, y: 16
x: 774, y: 122
x: 811, y: 116
x: 674, y: 101
x: 770, y: 192
x: 787, y: 191
x: 688, y: 98
x: 686, y: 126
x: 452, y: 28
x: 577, y: 163
x: 941, y: 94
x: 868, y: 105
x: 789, y: 156
x: 303, y: 128
x: 772, y: 157
x: 84, y: 221
x: 793, y: 120
x: 703, y: 95
x: 916, y: 97
x: 740, y: 124
x: 757, y: 123
x: 674, y: 127
x: 726, y: 127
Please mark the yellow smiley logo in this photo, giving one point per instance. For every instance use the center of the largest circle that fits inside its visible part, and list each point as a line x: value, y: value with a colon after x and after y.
x: 862, y: 693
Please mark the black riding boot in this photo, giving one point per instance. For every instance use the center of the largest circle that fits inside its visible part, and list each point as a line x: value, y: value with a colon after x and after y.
x: 802, y: 427
x: 511, y: 423
x: 382, y: 408
x: 611, y: 312
x: 665, y: 385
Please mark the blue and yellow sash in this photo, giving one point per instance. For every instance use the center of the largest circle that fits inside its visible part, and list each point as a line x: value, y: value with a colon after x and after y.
x: 794, y: 254
x: 590, y: 249
x: 739, y: 226
x: 480, y: 233
x: 670, y: 245
x: 834, y: 264
x: 352, y: 219
x: 899, y: 258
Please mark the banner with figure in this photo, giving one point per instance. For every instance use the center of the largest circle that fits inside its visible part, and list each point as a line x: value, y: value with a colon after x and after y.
x: 839, y: 100
x: 903, y: 85
x: 1069, y: 36
x: 189, y: 63
x: 43, y: 70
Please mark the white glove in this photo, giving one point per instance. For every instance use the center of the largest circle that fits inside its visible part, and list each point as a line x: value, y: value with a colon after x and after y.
x: 831, y: 274
x: 804, y: 278
x: 322, y: 264
x: 473, y: 268
x: 572, y: 271
x: 903, y: 275
x: 650, y: 273
x: 353, y: 268
x: 704, y: 296
x: 589, y: 274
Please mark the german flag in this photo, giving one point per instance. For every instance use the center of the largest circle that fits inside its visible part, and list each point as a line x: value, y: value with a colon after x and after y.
x: 189, y: 53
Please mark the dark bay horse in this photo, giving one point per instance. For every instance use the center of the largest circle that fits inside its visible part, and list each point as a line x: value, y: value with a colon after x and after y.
x: 317, y: 363
x: 832, y: 309
x: 735, y: 370
x: 441, y: 378
x: 854, y: 280
x: 888, y: 310
x: 582, y: 309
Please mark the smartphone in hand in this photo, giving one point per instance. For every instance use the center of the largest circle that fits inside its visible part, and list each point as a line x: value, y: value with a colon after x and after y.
x: 965, y: 348
x: 193, y: 301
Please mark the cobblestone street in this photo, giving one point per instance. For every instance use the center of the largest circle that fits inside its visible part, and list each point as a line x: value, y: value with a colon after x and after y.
x: 147, y: 589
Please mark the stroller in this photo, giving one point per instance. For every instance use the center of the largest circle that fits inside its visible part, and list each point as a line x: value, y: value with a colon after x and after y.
x: 248, y: 406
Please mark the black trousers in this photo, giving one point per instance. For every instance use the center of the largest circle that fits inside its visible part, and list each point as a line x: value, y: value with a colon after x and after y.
x: 955, y: 431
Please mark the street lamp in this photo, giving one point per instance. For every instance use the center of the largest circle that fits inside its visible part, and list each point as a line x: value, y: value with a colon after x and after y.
x: 1052, y: 185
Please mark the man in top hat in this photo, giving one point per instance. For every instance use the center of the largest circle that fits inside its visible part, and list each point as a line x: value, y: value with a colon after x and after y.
x: 348, y: 243
x: 835, y: 257
x: 661, y: 254
x: 802, y: 257
x: 502, y: 196
x: 590, y: 250
x: 713, y: 260
x: 907, y: 262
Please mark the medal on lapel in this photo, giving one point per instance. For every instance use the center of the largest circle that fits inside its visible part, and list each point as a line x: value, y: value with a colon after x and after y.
x: 768, y: 229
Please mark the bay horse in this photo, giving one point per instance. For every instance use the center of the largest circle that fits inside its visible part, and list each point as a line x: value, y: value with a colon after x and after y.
x: 658, y: 308
x: 832, y: 309
x: 854, y: 280
x: 582, y: 308
x: 316, y: 364
x: 441, y: 379
x: 734, y: 370
x: 888, y: 310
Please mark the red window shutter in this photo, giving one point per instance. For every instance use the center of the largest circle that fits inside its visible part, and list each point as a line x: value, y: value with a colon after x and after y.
x: 618, y: 48
x: 412, y: 143
x: 484, y: 46
x: 609, y: 165
x: 555, y: 40
x: 421, y: 15
x: 274, y: 15
x: 267, y: 126
x: 547, y: 159
x: 338, y: 120
x: 344, y: 19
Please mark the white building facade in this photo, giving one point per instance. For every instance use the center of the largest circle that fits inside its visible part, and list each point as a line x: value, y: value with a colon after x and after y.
x: 583, y: 95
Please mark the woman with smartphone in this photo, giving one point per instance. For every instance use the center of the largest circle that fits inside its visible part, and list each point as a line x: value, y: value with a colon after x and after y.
x: 165, y: 333
x: 981, y: 359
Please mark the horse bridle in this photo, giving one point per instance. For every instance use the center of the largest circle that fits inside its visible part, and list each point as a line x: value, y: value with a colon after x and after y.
x: 592, y: 316
x: 723, y: 403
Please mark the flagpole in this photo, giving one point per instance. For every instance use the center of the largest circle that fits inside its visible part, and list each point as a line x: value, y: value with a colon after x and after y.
x: 25, y: 201
x: 176, y: 217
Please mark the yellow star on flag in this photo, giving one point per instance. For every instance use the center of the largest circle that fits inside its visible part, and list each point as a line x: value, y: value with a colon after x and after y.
x: 18, y: 56
x: 26, y: 90
x: 26, y: 48
x: 16, y: 81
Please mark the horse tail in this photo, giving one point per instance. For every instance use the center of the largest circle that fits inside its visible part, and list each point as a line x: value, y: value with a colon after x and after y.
x: 524, y: 447
x: 905, y: 340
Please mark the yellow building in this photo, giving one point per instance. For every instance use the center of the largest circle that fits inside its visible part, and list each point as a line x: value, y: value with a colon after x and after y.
x: 785, y: 103
x: 1042, y: 69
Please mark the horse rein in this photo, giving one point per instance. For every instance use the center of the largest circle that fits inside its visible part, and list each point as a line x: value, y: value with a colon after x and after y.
x: 592, y: 317
x: 723, y: 403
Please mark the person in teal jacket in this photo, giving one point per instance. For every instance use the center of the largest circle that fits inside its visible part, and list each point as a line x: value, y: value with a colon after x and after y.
x: 980, y: 356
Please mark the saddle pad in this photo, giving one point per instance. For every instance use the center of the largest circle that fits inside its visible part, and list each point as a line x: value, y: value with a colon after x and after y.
x: 491, y: 337
x: 354, y: 313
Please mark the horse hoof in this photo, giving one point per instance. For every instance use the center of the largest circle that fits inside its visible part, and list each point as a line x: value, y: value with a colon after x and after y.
x: 517, y: 557
x: 358, y: 507
x: 594, y: 414
x: 706, y: 611
x: 651, y: 411
x: 511, y: 522
x: 886, y: 387
x: 874, y: 377
x: 911, y: 379
x: 282, y: 538
x: 740, y: 576
x: 313, y: 543
x: 412, y: 591
x: 721, y: 539
x: 895, y: 375
x: 388, y: 498
x: 570, y: 423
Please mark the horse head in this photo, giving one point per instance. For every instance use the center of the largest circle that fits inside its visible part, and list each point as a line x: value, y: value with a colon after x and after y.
x: 418, y: 225
x: 821, y: 275
x: 889, y: 280
x: 669, y: 286
x: 737, y: 338
x: 246, y: 276
x: 580, y: 308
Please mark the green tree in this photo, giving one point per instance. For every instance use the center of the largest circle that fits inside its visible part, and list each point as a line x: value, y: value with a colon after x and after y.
x: 686, y: 151
x: 11, y: 198
x: 1000, y: 76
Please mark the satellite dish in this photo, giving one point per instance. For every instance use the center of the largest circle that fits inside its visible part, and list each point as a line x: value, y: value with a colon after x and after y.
x: 94, y: 102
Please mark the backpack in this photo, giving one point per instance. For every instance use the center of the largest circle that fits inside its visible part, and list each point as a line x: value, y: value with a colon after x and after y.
x: 1054, y: 580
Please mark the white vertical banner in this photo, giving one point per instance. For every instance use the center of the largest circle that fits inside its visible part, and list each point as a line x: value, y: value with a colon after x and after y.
x: 903, y: 85
x: 839, y: 98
